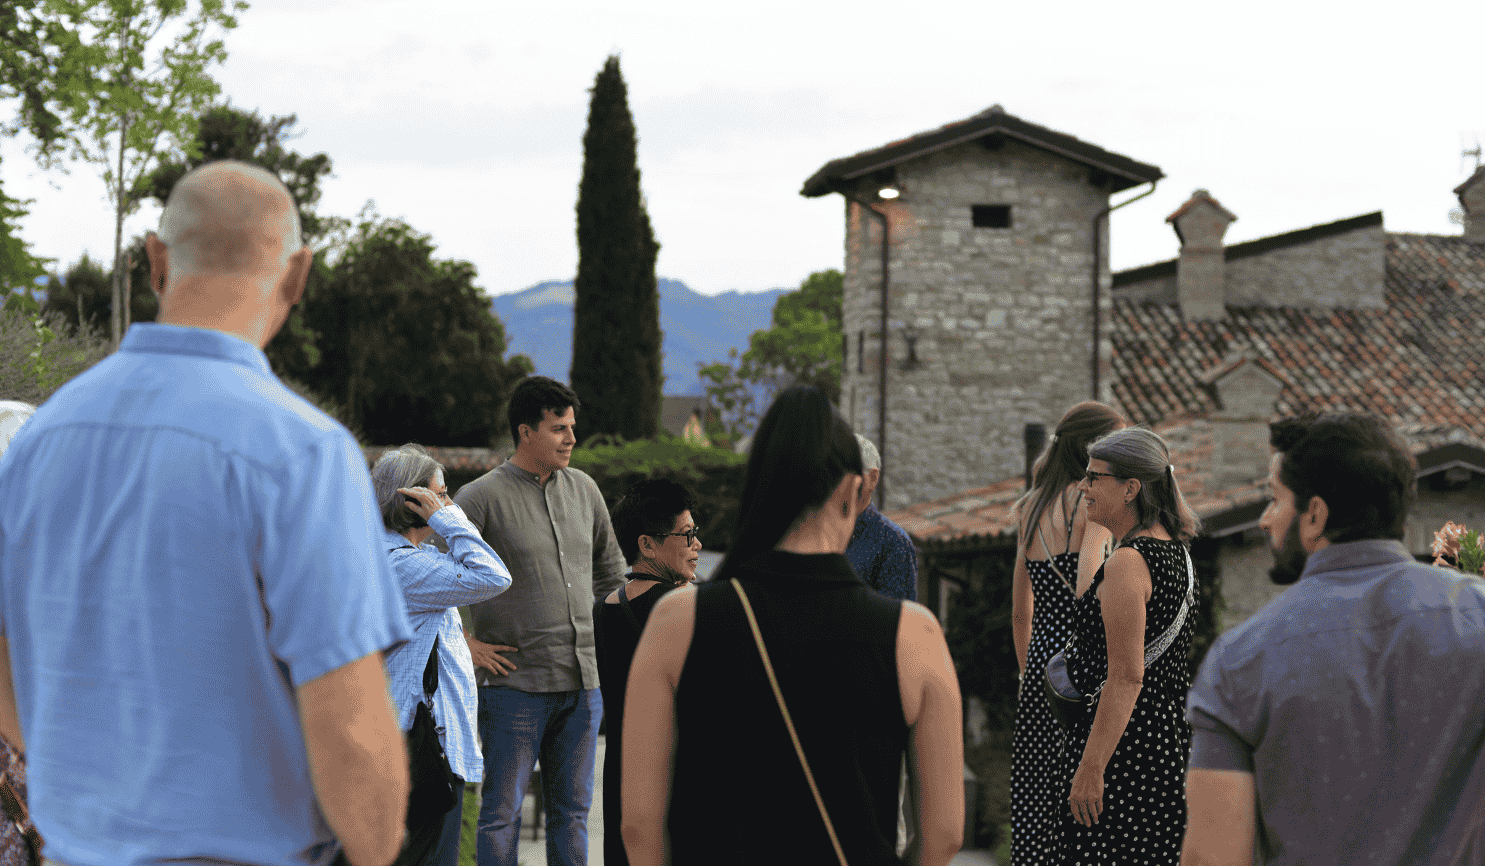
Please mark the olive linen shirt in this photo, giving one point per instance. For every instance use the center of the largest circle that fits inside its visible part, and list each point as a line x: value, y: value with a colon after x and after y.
x: 1355, y: 700
x: 562, y: 554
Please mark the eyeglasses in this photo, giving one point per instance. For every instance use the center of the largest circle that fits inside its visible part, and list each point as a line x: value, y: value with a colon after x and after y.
x: 1092, y: 476
x: 690, y: 535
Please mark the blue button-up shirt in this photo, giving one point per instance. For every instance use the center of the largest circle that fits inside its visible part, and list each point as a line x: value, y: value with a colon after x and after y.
x: 434, y: 585
x: 882, y: 554
x: 184, y: 543
x: 1354, y: 700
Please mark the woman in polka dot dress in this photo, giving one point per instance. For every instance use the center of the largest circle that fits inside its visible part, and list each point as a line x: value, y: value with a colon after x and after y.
x: 1049, y: 568
x: 1125, y: 763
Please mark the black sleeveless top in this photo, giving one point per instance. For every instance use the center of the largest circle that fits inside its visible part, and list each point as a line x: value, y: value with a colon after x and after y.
x: 739, y: 795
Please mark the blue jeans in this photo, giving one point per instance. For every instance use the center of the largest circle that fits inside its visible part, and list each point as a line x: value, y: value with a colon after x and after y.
x: 446, y: 852
x: 517, y: 728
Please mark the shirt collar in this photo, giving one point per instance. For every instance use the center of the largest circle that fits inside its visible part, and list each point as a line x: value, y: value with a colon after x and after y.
x: 1350, y: 555
x: 510, y: 466
x: 394, y: 540
x: 156, y: 339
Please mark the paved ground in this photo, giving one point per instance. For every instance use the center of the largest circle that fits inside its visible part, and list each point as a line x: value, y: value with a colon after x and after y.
x: 534, y: 851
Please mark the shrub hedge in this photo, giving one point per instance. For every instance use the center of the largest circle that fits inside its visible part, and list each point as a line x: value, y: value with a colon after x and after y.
x: 714, y: 476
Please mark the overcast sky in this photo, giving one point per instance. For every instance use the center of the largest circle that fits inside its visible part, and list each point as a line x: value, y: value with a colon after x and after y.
x: 466, y: 118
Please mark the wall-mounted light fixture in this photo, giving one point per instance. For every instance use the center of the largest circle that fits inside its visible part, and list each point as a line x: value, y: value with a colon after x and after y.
x: 910, y: 336
x: 887, y: 193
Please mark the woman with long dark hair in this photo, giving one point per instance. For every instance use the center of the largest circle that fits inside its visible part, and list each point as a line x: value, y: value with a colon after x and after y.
x: 1125, y: 762
x: 1057, y: 554
x: 772, y: 706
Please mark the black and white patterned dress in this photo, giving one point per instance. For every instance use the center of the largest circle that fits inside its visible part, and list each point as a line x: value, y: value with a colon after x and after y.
x: 1038, y: 797
x: 1144, y: 800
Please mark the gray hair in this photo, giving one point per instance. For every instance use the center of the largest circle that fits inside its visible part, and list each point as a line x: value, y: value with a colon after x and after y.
x: 408, y: 466
x: 1137, y: 453
x: 870, y: 459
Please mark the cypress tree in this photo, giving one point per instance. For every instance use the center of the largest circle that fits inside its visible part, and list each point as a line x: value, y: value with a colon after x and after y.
x: 616, y: 320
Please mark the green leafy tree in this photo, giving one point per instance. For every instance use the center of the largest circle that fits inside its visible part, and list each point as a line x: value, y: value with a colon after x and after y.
x: 81, y: 296
x: 228, y: 132
x: 18, y: 267
x: 41, y: 64
x: 411, y: 350
x: 616, y: 341
x: 801, y: 347
x: 149, y: 86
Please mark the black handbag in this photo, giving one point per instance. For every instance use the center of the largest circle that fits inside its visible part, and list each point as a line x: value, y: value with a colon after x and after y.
x: 1068, y: 705
x: 432, y: 792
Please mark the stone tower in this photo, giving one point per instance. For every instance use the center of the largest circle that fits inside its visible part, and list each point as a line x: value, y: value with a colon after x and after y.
x: 996, y: 246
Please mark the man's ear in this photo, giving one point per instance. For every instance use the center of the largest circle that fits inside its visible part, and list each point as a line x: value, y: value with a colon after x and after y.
x: 158, y: 255
x: 523, y: 432
x: 1312, y: 521
x: 291, y: 287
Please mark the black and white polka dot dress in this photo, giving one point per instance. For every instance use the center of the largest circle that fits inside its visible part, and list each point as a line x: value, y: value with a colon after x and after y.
x: 1038, y: 798
x: 1144, y: 801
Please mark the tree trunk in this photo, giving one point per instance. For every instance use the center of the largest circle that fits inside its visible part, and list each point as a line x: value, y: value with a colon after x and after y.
x: 118, y: 320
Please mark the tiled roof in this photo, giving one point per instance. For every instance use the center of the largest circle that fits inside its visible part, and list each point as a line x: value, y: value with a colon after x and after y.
x: 1121, y: 171
x: 984, y: 515
x: 1419, y: 361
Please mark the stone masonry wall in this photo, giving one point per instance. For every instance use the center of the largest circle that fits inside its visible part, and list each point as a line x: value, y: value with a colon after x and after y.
x: 1346, y: 271
x: 1001, y: 316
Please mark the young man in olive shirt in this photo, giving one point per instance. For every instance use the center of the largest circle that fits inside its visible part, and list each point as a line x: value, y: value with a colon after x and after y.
x: 549, y: 524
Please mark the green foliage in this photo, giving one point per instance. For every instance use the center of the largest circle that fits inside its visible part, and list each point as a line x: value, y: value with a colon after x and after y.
x: 18, y: 268
x: 714, y: 476
x: 227, y: 132
x: 149, y: 84
x: 1471, y: 552
x: 408, y: 344
x: 39, y: 353
x: 43, y: 65
x: 802, y: 347
x: 616, y: 342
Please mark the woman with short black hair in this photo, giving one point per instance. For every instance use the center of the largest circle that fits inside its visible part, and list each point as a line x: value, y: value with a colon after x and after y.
x: 657, y: 533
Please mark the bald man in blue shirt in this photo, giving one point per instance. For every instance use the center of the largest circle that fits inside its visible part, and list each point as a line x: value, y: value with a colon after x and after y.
x: 193, y: 597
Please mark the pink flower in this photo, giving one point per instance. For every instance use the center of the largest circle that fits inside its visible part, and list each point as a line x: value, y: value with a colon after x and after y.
x: 1446, y: 542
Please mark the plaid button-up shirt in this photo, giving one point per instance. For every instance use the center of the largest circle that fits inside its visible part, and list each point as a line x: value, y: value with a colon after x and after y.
x: 434, y: 584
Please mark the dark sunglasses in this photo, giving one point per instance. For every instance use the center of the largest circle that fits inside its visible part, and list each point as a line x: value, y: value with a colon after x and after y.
x: 1092, y: 476
x: 690, y: 535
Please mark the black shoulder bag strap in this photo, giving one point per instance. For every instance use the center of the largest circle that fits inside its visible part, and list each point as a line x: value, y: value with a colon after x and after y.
x: 430, y: 674
x: 629, y: 612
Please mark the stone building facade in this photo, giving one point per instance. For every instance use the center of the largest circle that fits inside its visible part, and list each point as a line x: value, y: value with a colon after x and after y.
x: 990, y: 267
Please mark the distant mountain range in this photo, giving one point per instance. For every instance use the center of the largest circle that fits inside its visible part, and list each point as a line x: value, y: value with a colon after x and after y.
x: 699, y: 329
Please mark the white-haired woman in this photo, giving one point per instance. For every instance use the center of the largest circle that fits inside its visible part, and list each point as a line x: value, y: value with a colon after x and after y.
x: 415, y: 503
x: 1126, y: 753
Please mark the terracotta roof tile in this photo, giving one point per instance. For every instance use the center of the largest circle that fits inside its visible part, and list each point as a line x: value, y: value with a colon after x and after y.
x: 1418, y: 361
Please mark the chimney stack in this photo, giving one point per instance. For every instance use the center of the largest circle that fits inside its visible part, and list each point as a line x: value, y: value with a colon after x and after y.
x: 1247, y: 389
x: 1200, y: 224
x: 1472, y: 198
